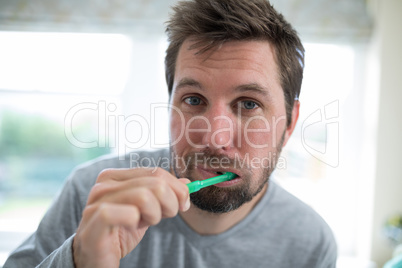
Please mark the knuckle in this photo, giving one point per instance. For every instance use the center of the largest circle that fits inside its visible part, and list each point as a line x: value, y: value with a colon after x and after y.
x: 99, y: 212
x: 144, y: 197
x: 105, y: 175
x: 170, y: 212
x: 160, y: 186
x: 135, y: 216
x: 103, y: 212
x: 143, y: 170
x: 182, y: 193
x: 158, y: 172
x: 87, y: 212
x: 97, y: 191
x: 154, y: 219
x: 146, y: 200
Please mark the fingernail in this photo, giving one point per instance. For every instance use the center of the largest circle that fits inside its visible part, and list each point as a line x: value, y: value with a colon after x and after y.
x: 187, y: 204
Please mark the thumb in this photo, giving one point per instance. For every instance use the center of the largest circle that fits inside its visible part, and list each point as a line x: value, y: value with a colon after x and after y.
x: 184, y: 180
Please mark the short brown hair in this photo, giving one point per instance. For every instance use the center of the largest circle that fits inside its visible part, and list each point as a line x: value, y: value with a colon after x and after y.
x: 212, y: 22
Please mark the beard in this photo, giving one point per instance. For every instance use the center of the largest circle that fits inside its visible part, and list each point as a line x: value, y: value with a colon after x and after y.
x: 225, y: 199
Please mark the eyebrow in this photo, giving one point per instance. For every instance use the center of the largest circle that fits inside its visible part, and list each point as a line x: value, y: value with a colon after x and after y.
x: 251, y: 87
x: 188, y: 82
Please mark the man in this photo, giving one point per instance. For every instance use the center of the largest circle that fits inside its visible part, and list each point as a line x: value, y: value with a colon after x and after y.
x: 234, y: 70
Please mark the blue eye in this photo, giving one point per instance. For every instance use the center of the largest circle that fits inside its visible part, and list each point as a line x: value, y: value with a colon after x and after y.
x: 193, y: 100
x: 249, y: 105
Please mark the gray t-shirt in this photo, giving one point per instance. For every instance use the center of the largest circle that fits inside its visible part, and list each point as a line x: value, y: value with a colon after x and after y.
x: 281, y: 231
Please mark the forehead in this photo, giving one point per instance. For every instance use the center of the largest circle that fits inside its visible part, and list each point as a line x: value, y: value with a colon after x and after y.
x: 254, y: 60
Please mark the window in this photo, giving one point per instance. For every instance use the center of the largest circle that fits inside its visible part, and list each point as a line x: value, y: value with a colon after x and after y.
x: 324, y: 160
x: 43, y: 77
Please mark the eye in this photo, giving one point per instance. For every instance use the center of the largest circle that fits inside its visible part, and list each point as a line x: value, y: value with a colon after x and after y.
x: 193, y: 100
x: 248, y: 105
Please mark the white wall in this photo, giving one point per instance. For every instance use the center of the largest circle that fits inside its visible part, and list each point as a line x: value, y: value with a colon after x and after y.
x: 387, y: 43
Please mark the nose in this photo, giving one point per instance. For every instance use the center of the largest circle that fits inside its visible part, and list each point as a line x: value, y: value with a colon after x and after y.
x: 222, y: 129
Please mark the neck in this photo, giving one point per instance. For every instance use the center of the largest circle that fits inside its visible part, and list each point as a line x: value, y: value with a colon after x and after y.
x: 207, y: 223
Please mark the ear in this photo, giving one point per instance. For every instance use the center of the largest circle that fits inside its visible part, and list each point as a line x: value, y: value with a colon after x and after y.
x: 292, y: 125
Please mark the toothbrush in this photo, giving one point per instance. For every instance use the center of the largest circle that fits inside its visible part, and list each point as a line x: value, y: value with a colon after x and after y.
x: 197, y: 185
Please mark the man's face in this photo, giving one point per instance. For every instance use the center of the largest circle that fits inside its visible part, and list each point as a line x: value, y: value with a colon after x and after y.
x: 227, y: 114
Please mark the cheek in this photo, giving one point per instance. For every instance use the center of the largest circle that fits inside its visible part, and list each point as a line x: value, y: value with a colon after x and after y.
x: 175, y: 127
x: 177, y: 124
x: 186, y: 129
x: 261, y: 134
x: 185, y: 132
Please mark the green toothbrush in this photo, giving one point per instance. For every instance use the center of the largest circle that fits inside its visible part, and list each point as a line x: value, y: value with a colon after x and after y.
x: 197, y: 185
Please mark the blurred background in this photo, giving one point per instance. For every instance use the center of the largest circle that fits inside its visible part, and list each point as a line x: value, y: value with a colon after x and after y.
x: 79, y: 79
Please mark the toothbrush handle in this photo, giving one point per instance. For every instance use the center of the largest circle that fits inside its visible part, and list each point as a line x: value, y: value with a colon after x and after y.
x: 197, y: 185
x: 194, y: 186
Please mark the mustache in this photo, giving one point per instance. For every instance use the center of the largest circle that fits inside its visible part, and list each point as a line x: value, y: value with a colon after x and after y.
x: 206, y: 156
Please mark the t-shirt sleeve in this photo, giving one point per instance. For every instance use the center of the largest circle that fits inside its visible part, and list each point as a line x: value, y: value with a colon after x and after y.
x: 329, y: 254
x: 51, y: 244
x: 326, y: 249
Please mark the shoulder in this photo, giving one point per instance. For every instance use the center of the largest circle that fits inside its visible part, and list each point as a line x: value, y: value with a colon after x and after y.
x: 301, y: 225
x: 297, y: 213
x: 291, y: 205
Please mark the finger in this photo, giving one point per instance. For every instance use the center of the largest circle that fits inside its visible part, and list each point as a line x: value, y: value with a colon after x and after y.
x: 110, y: 215
x: 138, y: 192
x: 128, y: 175
x: 184, y: 180
x: 110, y: 180
x: 183, y: 194
x: 180, y: 189
x: 123, y: 174
x: 167, y: 197
x: 180, y: 192
x: 142, y: 198
x: 133, y: 173
x: 153, y: 196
